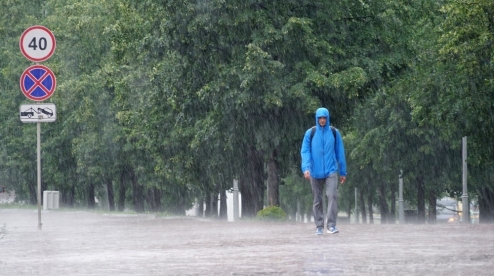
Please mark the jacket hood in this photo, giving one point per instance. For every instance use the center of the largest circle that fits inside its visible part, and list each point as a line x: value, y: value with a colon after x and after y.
x: 322, y: 112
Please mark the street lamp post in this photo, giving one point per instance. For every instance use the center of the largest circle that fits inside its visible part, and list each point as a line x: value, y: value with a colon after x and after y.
x: 400, y: 200
x: 464, y: 198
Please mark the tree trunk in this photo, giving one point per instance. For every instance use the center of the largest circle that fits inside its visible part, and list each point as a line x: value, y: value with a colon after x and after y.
x: 91, y: 204
x: 486, y: 205
x: 200, y: 207
x: 214, y: 204
x: 251, y: 184
x: 383, y: 204
x: 67, y: 196
x: 121, y: 192
x: 158, y: 194
x: 138, y: 192
x: 369, y: 206
x: 71, y: 199
x: 153, y: 198
x: 420, y: 200
x: 362, y: 207
x: 33, y: 191
x: 208, y: 211
x: 273, y: 180
x: 223, y: 207
x: 179, y: 203
x: 432, y: 208
x: 111, y: 194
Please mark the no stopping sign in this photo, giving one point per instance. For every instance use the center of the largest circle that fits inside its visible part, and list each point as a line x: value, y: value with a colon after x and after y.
x: 38, y: 83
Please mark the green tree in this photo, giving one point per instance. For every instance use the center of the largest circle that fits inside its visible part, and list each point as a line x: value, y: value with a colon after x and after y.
x: 455, y: 80
x: 18, y: 140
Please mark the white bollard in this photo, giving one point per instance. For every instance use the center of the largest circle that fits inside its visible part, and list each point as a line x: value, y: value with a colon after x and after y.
x: 51, y: 200
x: 45, y: 200
x: 56, y: 199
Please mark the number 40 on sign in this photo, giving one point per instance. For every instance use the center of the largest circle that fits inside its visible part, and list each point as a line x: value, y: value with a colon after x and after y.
x: 37, y: 43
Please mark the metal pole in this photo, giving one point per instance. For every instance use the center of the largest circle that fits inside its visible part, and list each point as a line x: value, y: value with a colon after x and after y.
x: 235, y: 200
x: 356, y: 206
x: 400, y: 200
x: 464, y: 198
x: 38, y: 150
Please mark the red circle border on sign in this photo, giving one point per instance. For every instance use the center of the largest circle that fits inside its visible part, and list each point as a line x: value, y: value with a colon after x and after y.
x: 49, y: 93
x: 45, y: 57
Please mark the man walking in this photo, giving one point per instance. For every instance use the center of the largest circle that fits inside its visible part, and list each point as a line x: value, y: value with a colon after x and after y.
x: 323, y: 158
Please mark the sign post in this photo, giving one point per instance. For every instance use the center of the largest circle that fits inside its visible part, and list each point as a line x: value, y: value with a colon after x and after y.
x: 465, y: 206
x: 38, y: 166
x: 38, y: 83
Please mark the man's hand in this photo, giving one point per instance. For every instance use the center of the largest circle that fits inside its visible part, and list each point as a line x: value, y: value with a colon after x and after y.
x: 342, y: 179
x: 307, y: 174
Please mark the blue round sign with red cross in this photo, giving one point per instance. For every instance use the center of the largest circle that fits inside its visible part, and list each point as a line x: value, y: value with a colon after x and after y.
x: 38, y: 83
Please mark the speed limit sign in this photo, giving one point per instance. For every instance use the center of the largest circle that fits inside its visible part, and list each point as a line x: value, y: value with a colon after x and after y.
x: 37, y: 43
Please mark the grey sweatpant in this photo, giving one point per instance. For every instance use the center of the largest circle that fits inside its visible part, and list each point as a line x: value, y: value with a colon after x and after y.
x: 331, y: 184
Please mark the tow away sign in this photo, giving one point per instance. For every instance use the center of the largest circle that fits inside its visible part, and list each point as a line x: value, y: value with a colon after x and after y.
x: 34, y: 113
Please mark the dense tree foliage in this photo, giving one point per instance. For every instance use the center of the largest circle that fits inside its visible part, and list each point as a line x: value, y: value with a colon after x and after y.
x: 160, y: 103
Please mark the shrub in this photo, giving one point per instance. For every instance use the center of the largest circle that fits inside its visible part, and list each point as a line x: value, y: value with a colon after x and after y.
x: 272, y: 213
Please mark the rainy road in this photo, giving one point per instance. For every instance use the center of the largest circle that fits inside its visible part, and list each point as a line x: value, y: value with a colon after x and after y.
x: 85, y: 243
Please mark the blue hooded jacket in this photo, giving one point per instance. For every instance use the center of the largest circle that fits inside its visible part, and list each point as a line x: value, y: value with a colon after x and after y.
x: 324, y: 155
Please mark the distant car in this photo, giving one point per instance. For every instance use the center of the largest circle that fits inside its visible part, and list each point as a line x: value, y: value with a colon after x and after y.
x: 447, y: 211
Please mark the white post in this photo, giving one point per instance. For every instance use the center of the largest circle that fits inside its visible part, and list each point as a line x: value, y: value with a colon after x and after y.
x: 45, y: 200
x: 38, y: 136
x: 106, y: 200
x: 56, y: 200
x: 465, y: 208
x: 49, y: 199
x: 235, y: 200
x: 400, y: 200
x: 356, y: 206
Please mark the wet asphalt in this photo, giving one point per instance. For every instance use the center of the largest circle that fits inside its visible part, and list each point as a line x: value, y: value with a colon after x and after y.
x: 92, y: 243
